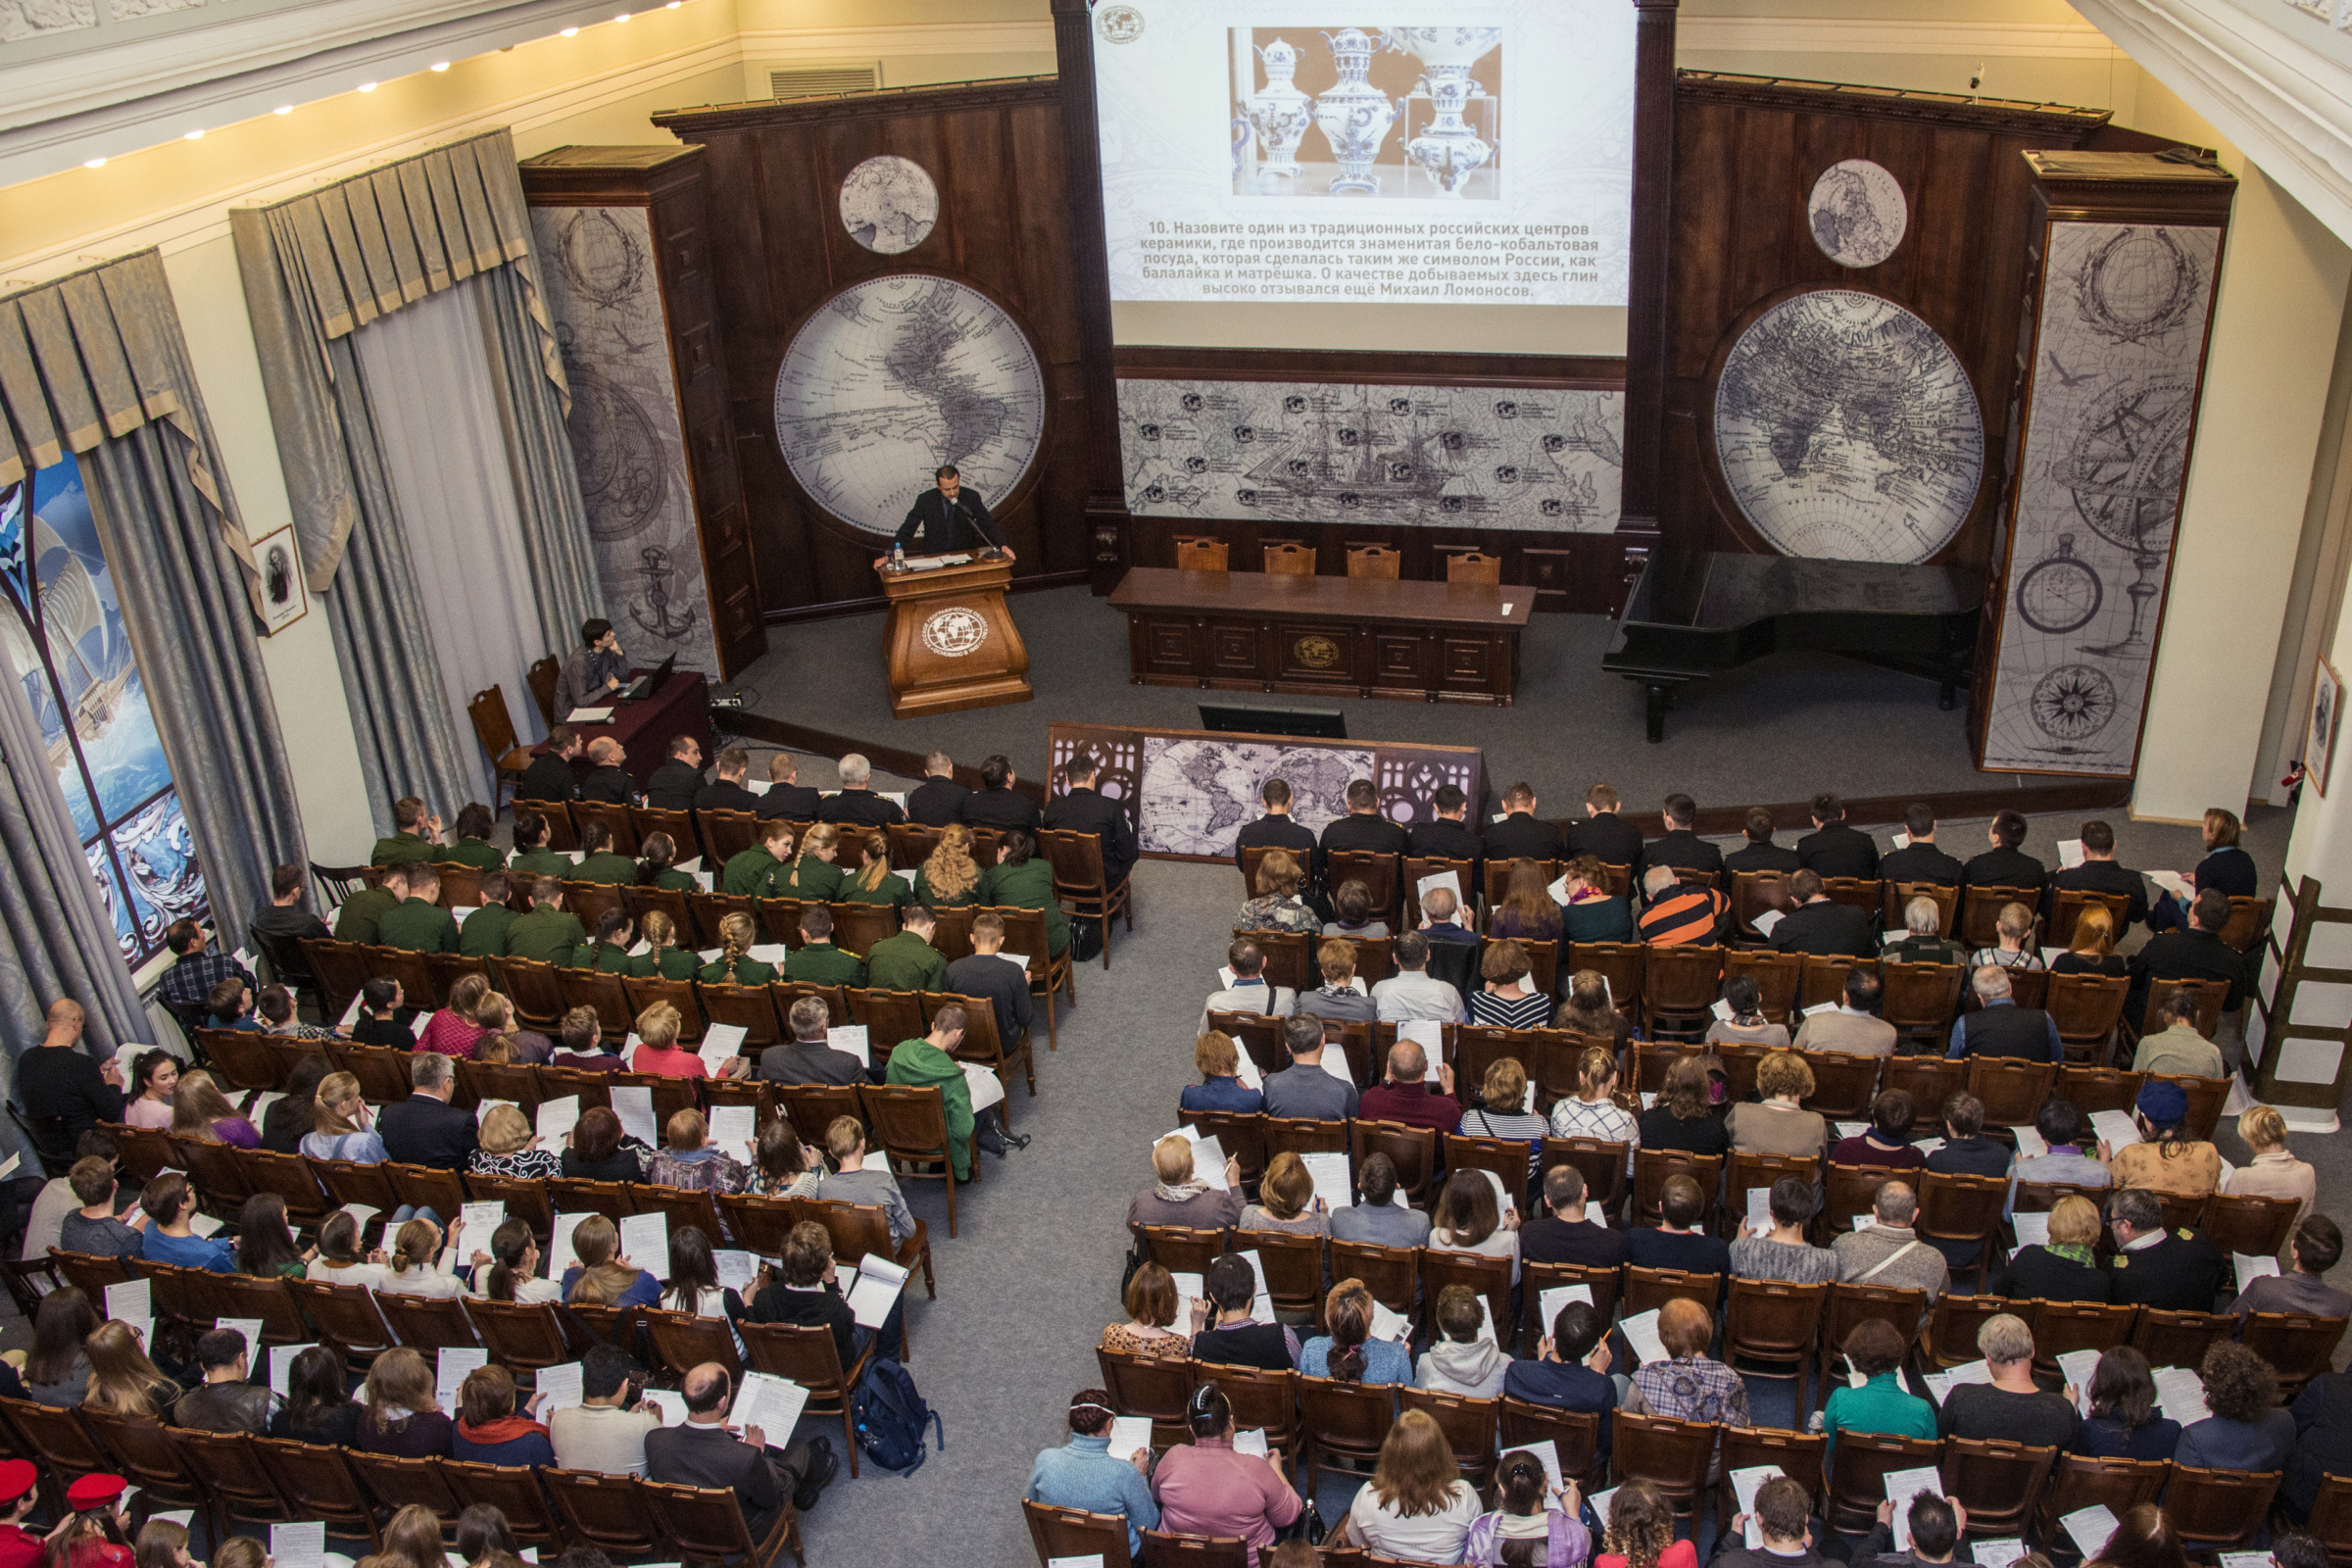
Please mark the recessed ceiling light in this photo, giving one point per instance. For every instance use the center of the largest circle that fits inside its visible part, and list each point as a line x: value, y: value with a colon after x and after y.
x: 283, y: 108
x: 571, y: 33
x: 440, y: 65
x: 367, y: 86
x: 93, y: 163
x: 193, y: 135
x: 673, y: 5
x: 622, y: 17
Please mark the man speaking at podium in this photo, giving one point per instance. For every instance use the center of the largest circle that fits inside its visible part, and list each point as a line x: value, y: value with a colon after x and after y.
x: 951, y: 518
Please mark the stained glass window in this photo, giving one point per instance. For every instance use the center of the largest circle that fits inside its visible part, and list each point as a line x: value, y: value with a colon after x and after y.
x: 62, y: 629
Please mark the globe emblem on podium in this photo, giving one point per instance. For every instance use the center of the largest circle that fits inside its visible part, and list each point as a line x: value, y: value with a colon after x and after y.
x: 954, y: 632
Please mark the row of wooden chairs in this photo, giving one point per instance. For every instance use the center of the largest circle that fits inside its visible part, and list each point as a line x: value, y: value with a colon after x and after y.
x: 2008, y: 1489
x: 1205, y: 552
x: 542, y: 993
x: 237, y: 1479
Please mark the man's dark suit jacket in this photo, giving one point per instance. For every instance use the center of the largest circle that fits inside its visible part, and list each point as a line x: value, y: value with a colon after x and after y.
x: 723, y: 795
x: 1086, y: 810
x: 1921, y: 862
x: 1684, y: 850
x: 708, y: 1456
x: 423, y: 1131
x: 963, y: 525
x: 936, y: 803
x: 1004, y: 985
x: 673, y: 786
x: 1753, y: 856
x: 1550, y: 1240
x: 1522, y: 836
x: 2004, y: 869
x: 1838, y: 850
x: 798, y: 802
x: 1004, y: 807
x: 1277, y: 833
x: 1367, y: 831
x: 862, y: 808
x: 2184, y: 955
x: 809, y: 1061
x: 1610, y: 839
x: 1827, y: 930
x: 548, y: 778
x: 610, y: 784
x: 1444, y: 839
x: 2105, y: 876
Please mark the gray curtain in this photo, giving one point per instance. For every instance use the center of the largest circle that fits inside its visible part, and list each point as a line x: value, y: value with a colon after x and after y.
x: 429, y: 385
x: 95, y: 362
x: 55, y: 938
x: 526, y: 375
x: 317, y: 269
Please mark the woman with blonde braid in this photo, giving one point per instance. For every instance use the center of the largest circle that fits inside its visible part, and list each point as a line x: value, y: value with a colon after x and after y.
x: 813, y: 876
x: 951, y: 877
x: 876, y: 882
x: 663, y: 957
x: 733, y: 967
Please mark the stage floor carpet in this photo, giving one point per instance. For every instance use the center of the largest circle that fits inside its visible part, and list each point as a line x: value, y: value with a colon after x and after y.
x: 1773, y: 732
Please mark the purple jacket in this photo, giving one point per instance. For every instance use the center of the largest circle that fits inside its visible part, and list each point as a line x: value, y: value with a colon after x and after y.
x: 1570, y: 1544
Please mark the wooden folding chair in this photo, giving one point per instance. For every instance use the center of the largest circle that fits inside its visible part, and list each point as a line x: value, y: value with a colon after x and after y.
x: 1846, y: 1306
x: 1603, y: 1164
x: 1081, y: 881
x: 1672, y: 1455
x: 514, y: 1491
x: 1468, y: 1425
x: 1654, y: 1167
x: 318, y: 1483
x: 1775, y: 1323
x: 1647, y: 1289
x: 1260, y: 1399
x: 2217, y: 1510
x: 1921, y: 1000
x: 2012, y: 1090
x: 2090, y: 1090
x: 524, y: 1338
x: 1951, y: 1332
x: 2299, y: 1347
x: 605, y: 1512
x: 911, y: 1127
x: 1158, y: 1388
x: 2244, y: 1222
x: 426, y: 1322
x: 1778, y: 976
x: 1536, y: 1277
x: 1996, y: 1482
x: 1679, y: 988
x: 1289, y: 555
x: 2179, y: 1338
x: 1393, y: 1274
x: 1489, y: 1277
x: 2330, y: 1515
x: 347, y: 1320
x: 1343, y: 1425
x: 236, y: 1483
x: 1858, y: 1470
x: 1798, y: 1455
x: 1523, y: 1422
x: 1073, y: 1533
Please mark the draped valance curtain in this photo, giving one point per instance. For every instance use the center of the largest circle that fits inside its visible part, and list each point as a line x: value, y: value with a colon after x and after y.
x: 95, y: 363
x: 318, y: 269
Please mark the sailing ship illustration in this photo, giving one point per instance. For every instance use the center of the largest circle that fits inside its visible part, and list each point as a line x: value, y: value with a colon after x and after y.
x: 92, y: 659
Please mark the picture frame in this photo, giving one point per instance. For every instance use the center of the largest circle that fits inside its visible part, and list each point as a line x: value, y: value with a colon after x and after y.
x: 2326, y: 726
x: 279, y: 595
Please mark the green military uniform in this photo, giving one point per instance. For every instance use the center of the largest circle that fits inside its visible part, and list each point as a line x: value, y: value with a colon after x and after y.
x: 613, y: 871
x: 810, y: 879
x: 747, y: 972
x: 926, y: 894
x: 747, y: 874
x: 541, y: 861
x: 893, y: 891
x: 676, y: 963
x: 483, y: 933
x: 358, y: 919
x: 822, y: 963
x: 1028, y: 886
x: 545, y: 935
x: 906, y: 962
x: 477, y: 854
x: 611, y: 958
x: 418, y: 926
x: 924, y: 1066
x: 677, y: 881
x: 402, y: 848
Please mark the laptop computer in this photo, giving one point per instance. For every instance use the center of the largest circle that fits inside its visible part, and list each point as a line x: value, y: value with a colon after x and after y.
x: 644, y: 686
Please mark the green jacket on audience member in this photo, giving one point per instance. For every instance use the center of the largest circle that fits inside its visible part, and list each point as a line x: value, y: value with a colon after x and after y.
x: 923, y: 1065
x: 419, y: 925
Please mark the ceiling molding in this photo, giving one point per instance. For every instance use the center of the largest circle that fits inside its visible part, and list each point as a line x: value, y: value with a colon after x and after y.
x: 1841, y: 35
x: 203, y: 217
x: 2287, y: 105
x: 117, y: 98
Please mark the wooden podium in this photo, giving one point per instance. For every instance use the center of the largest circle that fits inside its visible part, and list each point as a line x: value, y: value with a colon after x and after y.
x: 951, y: 638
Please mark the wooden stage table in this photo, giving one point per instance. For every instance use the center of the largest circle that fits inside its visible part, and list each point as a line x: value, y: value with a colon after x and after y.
x: 1454, y: 642
x: 680, y: 707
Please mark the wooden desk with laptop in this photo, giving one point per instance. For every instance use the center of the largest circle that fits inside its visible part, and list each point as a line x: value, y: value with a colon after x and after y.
x: 1275, y: 631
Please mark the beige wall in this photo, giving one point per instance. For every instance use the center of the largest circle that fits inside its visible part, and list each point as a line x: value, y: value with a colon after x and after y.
x: 2283, y: 283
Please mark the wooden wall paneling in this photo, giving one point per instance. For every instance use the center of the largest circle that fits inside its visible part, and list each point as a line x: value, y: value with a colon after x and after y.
x: 1106, y: 518
x: 996, y: 153
x: 1649, y: 240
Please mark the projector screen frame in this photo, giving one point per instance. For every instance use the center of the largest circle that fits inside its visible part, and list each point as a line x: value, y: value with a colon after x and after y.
x: 1107, y: 519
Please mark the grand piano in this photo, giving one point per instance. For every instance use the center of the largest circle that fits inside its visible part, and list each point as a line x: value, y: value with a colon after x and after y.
x: 1695, y: 612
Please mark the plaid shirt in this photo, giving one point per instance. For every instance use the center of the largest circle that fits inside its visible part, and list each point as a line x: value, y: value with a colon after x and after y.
x: 1694, y: 1390
x: 1603, y: 1119
x: 187, y: 983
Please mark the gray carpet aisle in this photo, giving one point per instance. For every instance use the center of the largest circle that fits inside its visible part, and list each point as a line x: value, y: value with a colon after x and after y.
x: 1772, y: 722
x: 1028, y: 1286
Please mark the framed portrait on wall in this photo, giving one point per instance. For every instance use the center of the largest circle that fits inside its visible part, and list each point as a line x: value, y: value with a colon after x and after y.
x: 2327, y: 723
x: 278, y: 595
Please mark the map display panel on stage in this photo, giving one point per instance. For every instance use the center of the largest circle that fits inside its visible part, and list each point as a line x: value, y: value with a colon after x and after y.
x: 1189, y: 793
x: 1527, y: 458
x: 2119, y: 357
x: 1846, y: 429
x: 894, y: 377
